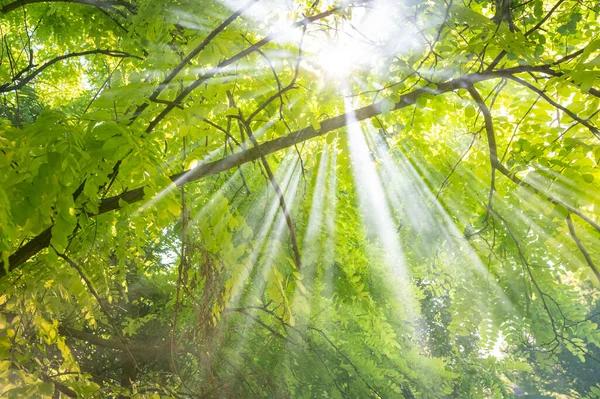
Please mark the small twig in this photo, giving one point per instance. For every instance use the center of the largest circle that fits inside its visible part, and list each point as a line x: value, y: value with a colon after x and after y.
x: 550, y: 101
x: 105, y: 310
x: 585, y: 254
x: 491, y: 137
x: 18, y: 82
x: 275, y: 185
x: 457, y: 163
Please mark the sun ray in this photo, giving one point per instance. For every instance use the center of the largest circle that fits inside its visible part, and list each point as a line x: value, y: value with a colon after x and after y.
x: 247, y: 286
x: 264, y: 226
x: 312, y: 251
x: 257, y: 278
x: 377, y: 216
x: 437, y: 221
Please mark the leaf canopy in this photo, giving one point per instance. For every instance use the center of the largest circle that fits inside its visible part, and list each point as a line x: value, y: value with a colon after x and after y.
x: 339, y: 199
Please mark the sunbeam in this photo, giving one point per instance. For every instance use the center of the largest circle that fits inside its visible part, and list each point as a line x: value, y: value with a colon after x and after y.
x: 428, y: 221
x: 377, y: 215
x: 266, y: 225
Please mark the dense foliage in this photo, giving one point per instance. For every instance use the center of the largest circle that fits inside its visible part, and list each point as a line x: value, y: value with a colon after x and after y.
x: 299, y: 199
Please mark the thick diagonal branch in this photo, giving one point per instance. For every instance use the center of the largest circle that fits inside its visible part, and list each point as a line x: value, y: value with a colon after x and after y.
x: 177, y: 102
x: 252, y: 154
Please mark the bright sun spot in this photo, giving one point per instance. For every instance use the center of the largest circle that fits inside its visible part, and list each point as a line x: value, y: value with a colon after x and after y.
x: 338, y: 62
x: 360, y: 42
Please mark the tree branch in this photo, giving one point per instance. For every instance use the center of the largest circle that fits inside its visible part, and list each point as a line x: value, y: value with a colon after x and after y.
x: 234, y: 160
x: 346, y: 358
x: 550, y: 101
x: 249, y: 50
x: 491, y: 137
x: 100, y: 301
x: 259, y: 321
x: 529, y: 32
x: 585, y: 254
x: 143, y: 349
x: 282, y: 204
x: 190, y: 56
x: 502, y: 169
x: 22, y: 82
x: 103, y: 4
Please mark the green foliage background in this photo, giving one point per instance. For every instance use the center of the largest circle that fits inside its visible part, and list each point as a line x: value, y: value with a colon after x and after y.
x: 184, y: 213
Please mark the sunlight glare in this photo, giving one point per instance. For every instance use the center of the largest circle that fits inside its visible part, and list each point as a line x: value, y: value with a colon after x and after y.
x: 339, y: 62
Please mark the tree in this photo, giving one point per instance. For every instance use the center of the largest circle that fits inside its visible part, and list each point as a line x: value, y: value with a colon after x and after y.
x: 365, y: 198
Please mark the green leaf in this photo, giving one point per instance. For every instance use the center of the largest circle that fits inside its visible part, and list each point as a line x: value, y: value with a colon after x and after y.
x: 470, y: 111
x: 46, y: 388
x: 588, y: 178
